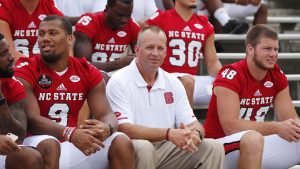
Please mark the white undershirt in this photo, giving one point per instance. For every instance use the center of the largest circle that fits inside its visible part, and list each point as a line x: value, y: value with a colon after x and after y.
x: 62, y: 72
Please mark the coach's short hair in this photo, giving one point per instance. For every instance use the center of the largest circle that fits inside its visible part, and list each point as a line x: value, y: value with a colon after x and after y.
x: 67, y: 26
x: 152, y: 28
x: 256, y: 32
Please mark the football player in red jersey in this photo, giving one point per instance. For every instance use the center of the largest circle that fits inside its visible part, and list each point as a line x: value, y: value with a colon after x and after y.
x: 19, y: 22
x: 13, y: 123
x: 56, y: 86
x: 103, y: 37
x: 188, y: 36
x: 242, y: 95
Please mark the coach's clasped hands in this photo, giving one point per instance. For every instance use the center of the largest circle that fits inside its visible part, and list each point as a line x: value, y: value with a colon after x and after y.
x: 187, y: 138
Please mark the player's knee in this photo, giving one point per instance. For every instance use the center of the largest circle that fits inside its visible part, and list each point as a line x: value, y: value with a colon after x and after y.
x: 143, y: 149
x: 121, y: 147
x: 250, y: 140
x: 213, y: 146
x: 49, y: 148
x: 27, y: 158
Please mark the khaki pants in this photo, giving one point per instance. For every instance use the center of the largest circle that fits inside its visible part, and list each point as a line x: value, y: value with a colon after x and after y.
x: 165, y: 155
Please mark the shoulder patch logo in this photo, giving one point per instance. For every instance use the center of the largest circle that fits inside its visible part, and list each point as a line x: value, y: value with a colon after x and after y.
x: 74, y: 78
x: 268, y: 84
x: 42, y: 16
x: 45, y: 81
x: 121, y: 34
x: 198, y: 26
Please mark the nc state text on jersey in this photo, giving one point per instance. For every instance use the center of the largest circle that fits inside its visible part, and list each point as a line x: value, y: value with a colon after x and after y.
x: 26, y: 33
x: 110, y: 47
x: 257, y: 101
x: 60, y: 96
x: 183, y: 34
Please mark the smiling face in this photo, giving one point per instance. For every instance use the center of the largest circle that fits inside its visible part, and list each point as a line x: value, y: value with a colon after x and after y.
x: 264, y: 53
x: 53, y: 40
x: 6, y: 60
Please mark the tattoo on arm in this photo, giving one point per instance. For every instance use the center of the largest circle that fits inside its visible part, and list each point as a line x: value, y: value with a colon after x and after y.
x: 13, y: 119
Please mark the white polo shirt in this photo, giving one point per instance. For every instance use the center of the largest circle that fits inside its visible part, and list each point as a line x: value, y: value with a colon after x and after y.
x: 164, y: 106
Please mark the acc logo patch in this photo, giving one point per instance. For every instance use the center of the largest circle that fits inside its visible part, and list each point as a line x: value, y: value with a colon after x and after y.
x: 42, y: 16
x: 169, y: 97
x: 268, y: 84
x: 74, y: 78
x: 198, y: 26
x: 121, y: 34
x: 45, y: 81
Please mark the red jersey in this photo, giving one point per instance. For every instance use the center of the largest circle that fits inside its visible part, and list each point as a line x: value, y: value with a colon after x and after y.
x: 108, y: 44
x: 185, y: 40
x: 59, y: 97
x: 24, y: 26
x: 12, y: 89
x: 256, y: 97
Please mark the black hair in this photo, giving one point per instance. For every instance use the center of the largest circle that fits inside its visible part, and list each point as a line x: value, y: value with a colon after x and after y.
x: 111, y: 3
x: 64, y: 22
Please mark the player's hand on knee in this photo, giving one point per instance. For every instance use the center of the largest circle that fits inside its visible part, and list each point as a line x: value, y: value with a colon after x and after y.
x: 7, y: 145
x: 86, y: 143
x: 97, y: 129
x: 289, y: 130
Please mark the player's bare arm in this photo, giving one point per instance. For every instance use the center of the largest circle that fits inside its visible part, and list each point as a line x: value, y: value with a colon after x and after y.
x: 101, y: 111
x: 36, y: 123
x: 228, y: 105
x: 289, y: 126
x: 41, y: 125
x: 212, y: 62
x: 8, y: 120
x: 83, y: 48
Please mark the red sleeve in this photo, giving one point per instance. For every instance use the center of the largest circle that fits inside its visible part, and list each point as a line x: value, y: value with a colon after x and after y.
x: 5, y: 12
x: 94, y: 76
x: 281, y: 79
x: 230, y: 78
x: 135, y: 29
x: 87, y: 24
x: 156, y: 18
x: 25, y: 69
x: 209, y: 27
x: 18, y: 93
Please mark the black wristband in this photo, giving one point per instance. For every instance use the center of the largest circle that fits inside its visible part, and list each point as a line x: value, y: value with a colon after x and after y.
x: 200, y: 134
x: 2, y: 101
x: 111, y: 130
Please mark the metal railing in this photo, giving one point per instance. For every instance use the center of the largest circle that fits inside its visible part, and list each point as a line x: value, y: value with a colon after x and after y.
x: 230, y: 37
